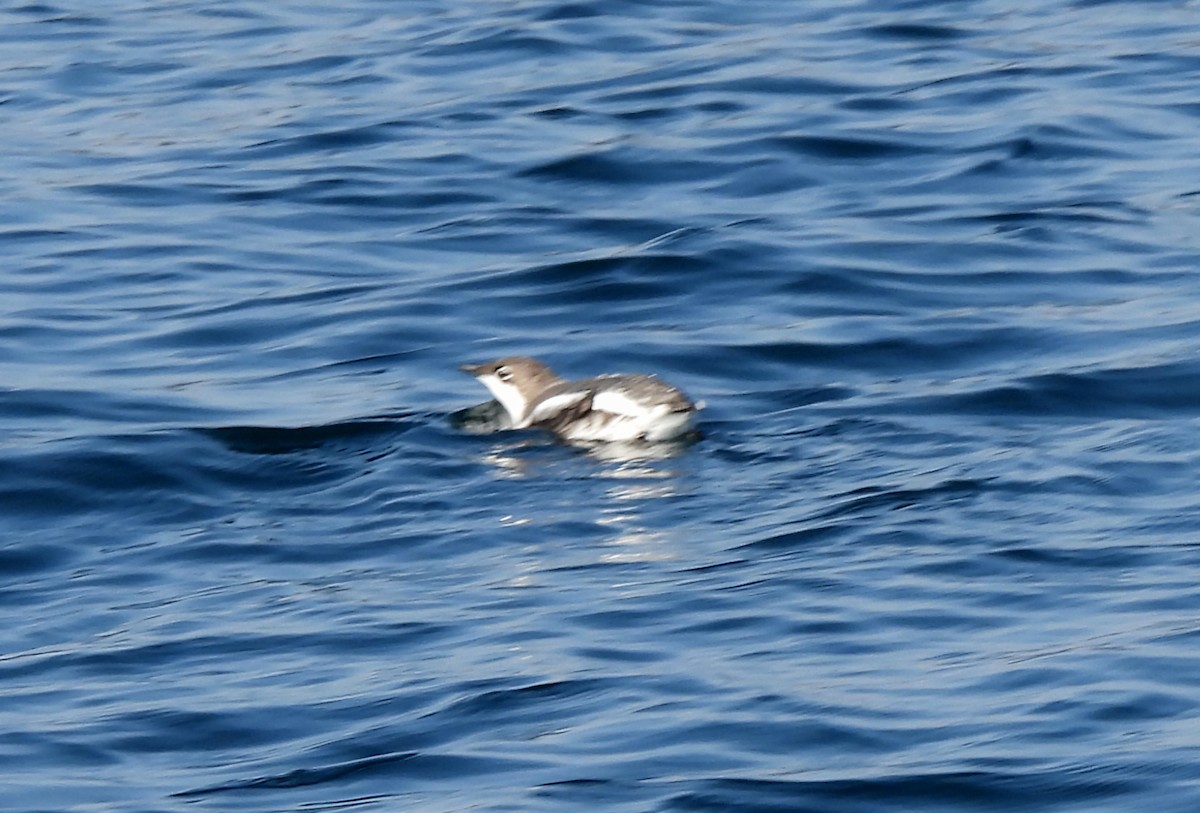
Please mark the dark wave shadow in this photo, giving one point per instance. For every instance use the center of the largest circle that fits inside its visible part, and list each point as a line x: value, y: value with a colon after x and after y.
x: 270, y: 440
x: 303, y: 777
x: 399, y: 764
x: 948, y: 791
x: 1170, y: 389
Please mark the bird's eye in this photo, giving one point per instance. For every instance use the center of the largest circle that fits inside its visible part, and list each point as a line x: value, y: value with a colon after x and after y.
x: 503, y: 373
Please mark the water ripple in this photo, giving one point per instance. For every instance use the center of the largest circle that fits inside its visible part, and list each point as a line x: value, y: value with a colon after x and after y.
x: 931, y: 267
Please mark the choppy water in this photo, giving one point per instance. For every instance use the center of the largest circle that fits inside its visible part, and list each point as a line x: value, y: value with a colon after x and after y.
x: 933, y: 267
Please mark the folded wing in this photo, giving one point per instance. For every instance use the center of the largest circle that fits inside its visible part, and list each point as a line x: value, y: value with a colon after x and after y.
x: 555, y: 405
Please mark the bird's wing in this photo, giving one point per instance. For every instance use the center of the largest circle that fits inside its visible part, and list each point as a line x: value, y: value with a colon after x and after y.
x: 553, y: 405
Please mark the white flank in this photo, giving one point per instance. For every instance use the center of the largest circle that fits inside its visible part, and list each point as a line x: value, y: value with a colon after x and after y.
x: 669, y: 426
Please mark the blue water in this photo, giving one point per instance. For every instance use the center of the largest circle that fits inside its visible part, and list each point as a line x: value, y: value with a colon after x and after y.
x: 932, y: 266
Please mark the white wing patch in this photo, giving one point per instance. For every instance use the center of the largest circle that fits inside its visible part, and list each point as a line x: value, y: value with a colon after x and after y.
x: 618, y: 403
x: 555, y: 404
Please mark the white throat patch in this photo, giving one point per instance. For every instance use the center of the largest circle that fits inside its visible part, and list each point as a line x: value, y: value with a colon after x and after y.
x: 510, y: 398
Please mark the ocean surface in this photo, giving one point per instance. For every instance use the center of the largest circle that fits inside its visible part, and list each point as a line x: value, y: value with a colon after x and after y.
x: 933, y: 267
